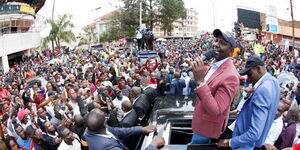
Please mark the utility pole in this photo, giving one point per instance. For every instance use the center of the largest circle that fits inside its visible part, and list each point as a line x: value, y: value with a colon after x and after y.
x: 214, y: 21
x: 141, y: 13
x: 293, y: 25
x: 53, y: 9
x: 52, y: 41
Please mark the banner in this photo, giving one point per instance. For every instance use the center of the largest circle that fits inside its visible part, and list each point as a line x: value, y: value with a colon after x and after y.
x: 271, y: 24
x: 27, y: 10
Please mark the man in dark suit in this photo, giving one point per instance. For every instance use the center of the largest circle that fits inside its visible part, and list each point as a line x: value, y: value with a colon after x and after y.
x: 129, y: 118
x: 102, y: 137
x: 149, y: 91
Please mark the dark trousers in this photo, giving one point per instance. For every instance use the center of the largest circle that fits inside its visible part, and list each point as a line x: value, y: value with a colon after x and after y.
x: 139, y: 41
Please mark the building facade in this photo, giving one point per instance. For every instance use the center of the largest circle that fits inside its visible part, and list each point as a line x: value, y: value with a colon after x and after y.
x: 103, y: 23
x: 20, y: 29
x: 284, y: 31
x: 181, y: 28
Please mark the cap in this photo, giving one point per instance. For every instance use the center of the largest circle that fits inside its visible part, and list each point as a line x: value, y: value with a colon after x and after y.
x: 251, y: 62
x: 29, y: 131
x: 22, y: 113
x: 226, y: 35
x: 118, y: 91
x: 121, y: 78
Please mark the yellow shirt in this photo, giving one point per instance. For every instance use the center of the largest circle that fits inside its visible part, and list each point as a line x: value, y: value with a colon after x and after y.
x: 236, y: 52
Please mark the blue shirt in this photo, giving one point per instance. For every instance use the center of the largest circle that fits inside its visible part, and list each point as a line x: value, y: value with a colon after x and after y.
x: 257, y: 115
x: 24, y: 143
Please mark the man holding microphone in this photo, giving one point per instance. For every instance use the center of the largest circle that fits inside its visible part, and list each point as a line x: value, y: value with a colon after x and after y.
x: 215, y: 90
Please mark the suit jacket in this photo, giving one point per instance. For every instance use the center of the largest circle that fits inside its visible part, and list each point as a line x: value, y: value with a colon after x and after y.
x: 213, y: 101
x: 176, y: 87
x: 257, y: 115
x: 129, y: 120
x: 151, y: 93
x: 98, y: 142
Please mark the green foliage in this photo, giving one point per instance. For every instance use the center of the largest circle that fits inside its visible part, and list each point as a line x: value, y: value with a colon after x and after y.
x: 170, y: 11
x: 88, y: 37
x: 125, y: 23
x: 61, y: 30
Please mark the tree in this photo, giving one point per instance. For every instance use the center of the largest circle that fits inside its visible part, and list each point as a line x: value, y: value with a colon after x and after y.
x: 89, y: 36
x: 61, y: 30
x: 170, y: 11
x: 125, y: 23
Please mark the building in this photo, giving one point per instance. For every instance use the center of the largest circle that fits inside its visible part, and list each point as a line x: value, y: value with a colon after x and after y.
x: 19, y: 29
x: 284, y: 31
x: 102, y: 23
x: 181, y: 28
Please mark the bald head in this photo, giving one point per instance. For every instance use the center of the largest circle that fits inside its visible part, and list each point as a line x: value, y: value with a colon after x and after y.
x: 96, y: 121
x: 136, y: 92
x: 78, y: 119
x: 126, y: 106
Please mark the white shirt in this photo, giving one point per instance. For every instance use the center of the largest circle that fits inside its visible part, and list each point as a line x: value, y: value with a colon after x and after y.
x: 117, y: 103
x: 76, y: 145
x: 275, y: 131
x: 213, y: 68
x: 139, y: 35
x: 186, y: 90
x: 75, y: 108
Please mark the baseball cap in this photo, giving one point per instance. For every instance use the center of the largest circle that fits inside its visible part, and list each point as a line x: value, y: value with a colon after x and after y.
x: 226, y: 35
x: 251, y: 62
x: 118, y: 90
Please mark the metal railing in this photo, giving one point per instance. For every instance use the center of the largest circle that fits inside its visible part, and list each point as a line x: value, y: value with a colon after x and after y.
x: 22, y: 25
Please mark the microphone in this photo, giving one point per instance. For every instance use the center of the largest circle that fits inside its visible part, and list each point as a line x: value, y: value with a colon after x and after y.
x: 208, y: 55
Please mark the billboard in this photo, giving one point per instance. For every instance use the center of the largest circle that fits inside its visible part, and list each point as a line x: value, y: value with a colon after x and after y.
x: 271, y: 24
x: 249, y: 18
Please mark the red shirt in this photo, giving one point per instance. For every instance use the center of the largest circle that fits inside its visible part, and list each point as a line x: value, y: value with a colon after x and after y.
x: 4, y: 93
x: 28, y: 74
x: 152, y: 81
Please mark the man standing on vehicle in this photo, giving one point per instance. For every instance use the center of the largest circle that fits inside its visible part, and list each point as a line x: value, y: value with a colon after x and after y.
x: 215, y: 90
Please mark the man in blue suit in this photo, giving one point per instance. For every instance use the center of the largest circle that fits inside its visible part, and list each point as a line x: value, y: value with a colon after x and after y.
x: 177, y: 85
x: 100, y: 137
x: 256, y: 117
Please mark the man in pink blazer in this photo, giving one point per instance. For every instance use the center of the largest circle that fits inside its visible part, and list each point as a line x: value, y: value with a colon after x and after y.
x: 215, y: 91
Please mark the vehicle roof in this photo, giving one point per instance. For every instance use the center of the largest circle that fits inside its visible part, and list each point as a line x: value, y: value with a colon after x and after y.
x: 171, y: 107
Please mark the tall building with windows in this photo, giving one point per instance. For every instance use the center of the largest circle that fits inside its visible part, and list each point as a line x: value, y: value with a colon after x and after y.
x: 19, y: 29
x: 181, y: 28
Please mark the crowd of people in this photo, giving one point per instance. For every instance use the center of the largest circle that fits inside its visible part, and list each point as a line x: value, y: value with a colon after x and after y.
x: 79, y: 99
